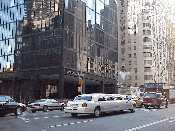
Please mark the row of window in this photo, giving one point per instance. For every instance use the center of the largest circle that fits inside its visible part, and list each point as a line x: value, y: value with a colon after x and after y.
x: 146, y: 77
x: 135, y: 56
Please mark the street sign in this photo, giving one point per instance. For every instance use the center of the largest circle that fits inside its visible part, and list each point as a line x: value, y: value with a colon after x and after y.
x: 79, y: 89
x: 81, y: 82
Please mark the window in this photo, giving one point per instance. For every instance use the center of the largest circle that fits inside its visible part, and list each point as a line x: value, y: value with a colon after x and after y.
x: 147, y: 47
x: 147, y: 77
x: 147, y: 69
x: 129, y: 55
x: 134, y: 40
x: 147, y: 54
x: 129, y: 77
x: 149, y: 62
x: 135, y: 70
x: 135, y: 84
x: 129, y: 69
x: 135, y: 62
x: 129, y: 41
x: 146, y: 39
x: 146, y: 32
x: 146, y: 25
x: 134, y: 47
x: 135, y: 77
x: 129, y: 62
x: 135, y: 56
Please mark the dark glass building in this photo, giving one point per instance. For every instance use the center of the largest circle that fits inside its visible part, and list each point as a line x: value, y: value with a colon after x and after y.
x: 57, y: 42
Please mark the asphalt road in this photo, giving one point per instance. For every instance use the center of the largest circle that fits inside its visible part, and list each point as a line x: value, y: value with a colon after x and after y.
x: 142, y: 119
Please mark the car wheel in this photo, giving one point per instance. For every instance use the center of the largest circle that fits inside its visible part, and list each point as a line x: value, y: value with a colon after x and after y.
x: 166, y: 105
x: 74, y: 114
x: 62, y: 108
x: 141, y: 105
x: 2, y: 114
x: 18, y: 111
x: 133, y: 110
x: 45, y: 108
x: 97, y: 112
x: 33, y: 111
x: 146, y: 107
x: 158, y: 106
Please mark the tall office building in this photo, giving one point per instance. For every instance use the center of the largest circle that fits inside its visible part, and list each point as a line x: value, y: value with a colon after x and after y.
x: 58, y: 41
x: 142, y: 47
x: 11, y: 11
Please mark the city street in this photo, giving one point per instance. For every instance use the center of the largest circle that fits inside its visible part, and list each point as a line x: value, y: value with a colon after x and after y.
x: 143, y: 119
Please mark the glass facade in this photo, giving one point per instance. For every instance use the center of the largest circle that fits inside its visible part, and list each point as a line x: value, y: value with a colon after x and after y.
x: 40, y: 35
x: 32, y: 38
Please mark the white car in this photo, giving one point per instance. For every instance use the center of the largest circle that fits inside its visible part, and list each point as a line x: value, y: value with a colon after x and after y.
x: 97, y: 103
x: 45, y: 104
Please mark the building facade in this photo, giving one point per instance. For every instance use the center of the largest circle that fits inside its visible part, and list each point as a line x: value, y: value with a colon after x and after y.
x: 143, y: 49
x: 58, y: 41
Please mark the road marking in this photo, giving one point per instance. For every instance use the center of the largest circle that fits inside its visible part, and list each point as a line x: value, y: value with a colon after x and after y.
x: 46, y: 117
x: 149, y: 124
x: 56, y: 116
x: 36, y: 118
x: 68, y: 124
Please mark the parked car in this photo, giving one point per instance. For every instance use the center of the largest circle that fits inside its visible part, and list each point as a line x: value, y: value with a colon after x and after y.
x: 8, y: 105
x: 45, y: 104
x: 172, y: 100
x: 153, y: 99
x: 98, y: 103
x: 139, y: 102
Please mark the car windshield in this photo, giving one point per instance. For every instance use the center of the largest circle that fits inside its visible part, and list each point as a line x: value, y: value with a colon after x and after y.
x: 2, y: 99
x: 5, y: 98
x: 150, y: 95
x: 88, y: 98
x: 40, y: 101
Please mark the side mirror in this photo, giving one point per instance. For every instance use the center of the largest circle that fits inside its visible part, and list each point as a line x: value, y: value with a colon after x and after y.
x: 139, y: 99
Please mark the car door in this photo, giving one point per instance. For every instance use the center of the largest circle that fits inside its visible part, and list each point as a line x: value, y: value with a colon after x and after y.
x: 55, y: 104
x: 103, y: 104
x: 117, y: 104
x: 110, y: 103
x: 49, y: 104
x: 125, y: 103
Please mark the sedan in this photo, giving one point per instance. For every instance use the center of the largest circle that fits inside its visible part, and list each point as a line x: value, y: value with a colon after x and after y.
x: 8, y: 105
x: 45, y: 104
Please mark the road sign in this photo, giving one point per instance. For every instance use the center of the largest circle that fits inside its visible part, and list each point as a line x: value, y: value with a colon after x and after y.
x: 79, y: 89
x: 81, y: 82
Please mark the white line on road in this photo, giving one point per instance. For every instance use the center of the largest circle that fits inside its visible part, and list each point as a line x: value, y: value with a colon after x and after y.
x: 36, y: 118
x: 67, y: 124
x: 46, y: 117
x: 56, y: 116
x: 146, y: 125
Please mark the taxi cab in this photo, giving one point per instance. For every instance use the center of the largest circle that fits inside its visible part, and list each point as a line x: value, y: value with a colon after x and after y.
x: 139, y: 102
